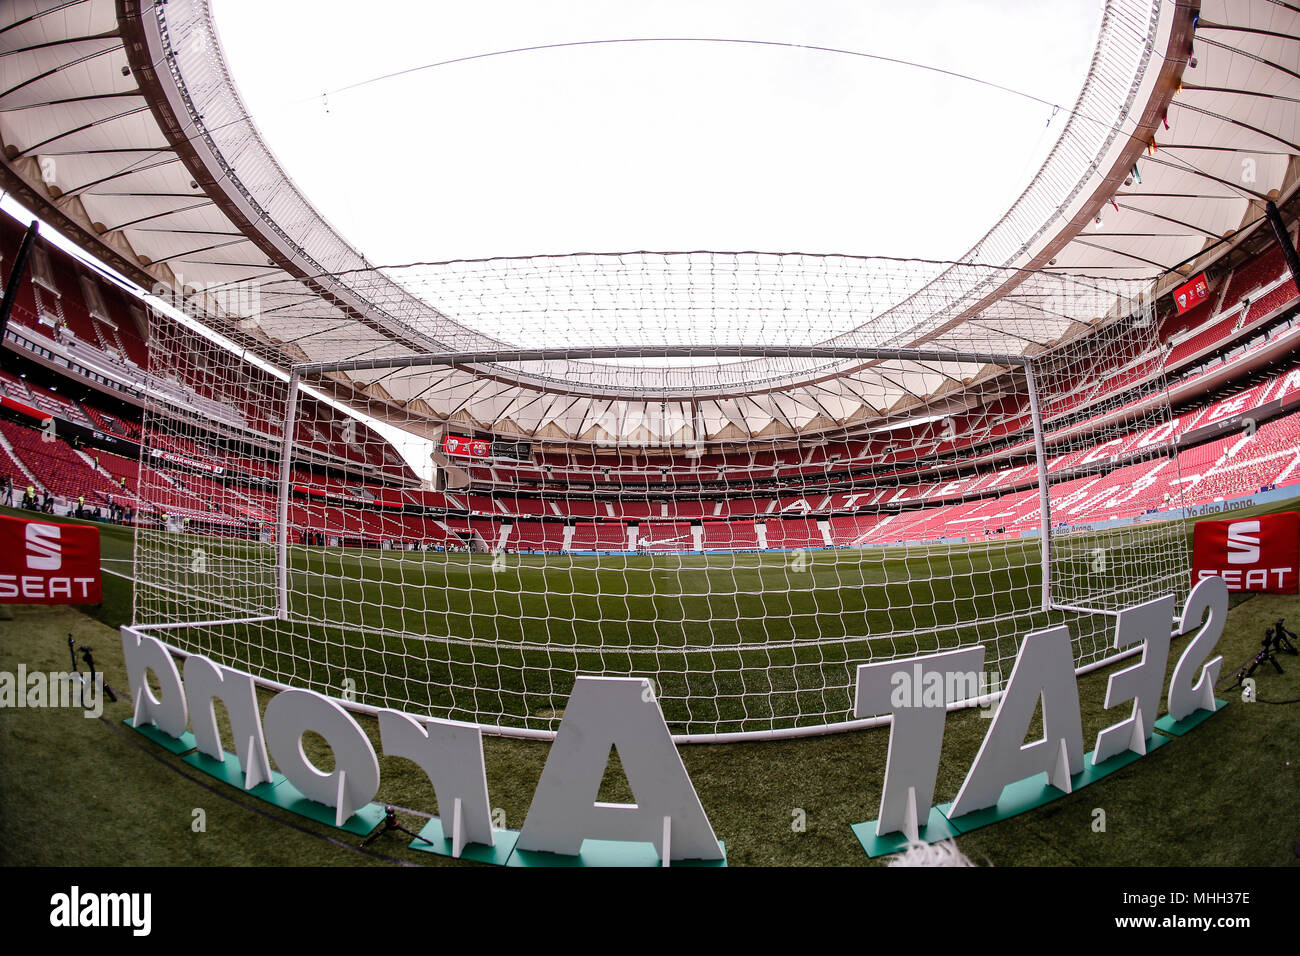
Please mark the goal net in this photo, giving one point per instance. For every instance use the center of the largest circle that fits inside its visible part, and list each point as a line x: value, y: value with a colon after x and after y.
x: 738, y: 475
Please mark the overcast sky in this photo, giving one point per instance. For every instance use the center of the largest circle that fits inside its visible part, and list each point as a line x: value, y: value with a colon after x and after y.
x: 661, y: 146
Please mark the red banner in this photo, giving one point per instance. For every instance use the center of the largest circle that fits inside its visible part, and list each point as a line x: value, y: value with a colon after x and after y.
x: 466, y: 447
x: 45, y: 563
x: 176, y: 459
x: 1252, y: 554
x: 340, y: 496
x: 27, y: 410
x: 1191, y: 293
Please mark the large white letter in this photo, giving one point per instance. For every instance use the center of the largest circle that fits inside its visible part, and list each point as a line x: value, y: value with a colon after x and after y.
x: 451, y: 753
x: 1044, y: 669
x: 605, y: 712
x: 355, y: 779
x: 143, y: 654
x: 205, y: 682
x: 915, y: 731
x: 1149, y: 624
x: 1209, y: 596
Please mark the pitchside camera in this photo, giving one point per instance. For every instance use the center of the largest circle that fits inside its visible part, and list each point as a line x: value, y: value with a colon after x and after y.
x: 1282, y: 638
x: 1276, y: 638
x: 390, y: 824
x: 87, y: 655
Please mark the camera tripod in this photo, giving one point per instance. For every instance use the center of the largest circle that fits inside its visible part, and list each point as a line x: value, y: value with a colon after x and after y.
x: 1282, y: 638
x: 390, y: 823
x: 1276, y: 638
x: 88, y: 657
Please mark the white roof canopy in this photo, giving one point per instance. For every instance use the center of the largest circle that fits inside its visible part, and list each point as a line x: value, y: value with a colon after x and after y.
x: 130, y: 134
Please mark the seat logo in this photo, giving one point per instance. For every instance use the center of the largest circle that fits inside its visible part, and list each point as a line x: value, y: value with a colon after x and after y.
x: 1243, y: 542
x: 44, y: 547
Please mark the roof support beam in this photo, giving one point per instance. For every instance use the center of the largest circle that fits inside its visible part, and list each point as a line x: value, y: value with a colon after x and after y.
x: 72, y: 99
x: 62, y: 41
x: 498, y: 356
x: 1127, y: 255
x: 1196, y: 88
x: 1250, y: 56
x: 1185, y: 168
x: 62, y: 66
x: 35, y: 147
x: 129, y: 171
x: 194, y: 252
x: 1293, y: 147
x: 1210, y: 25
x: 1125, y: 195
x: 169, y: 212
x: 41, y: 13
x: 1176, y: 222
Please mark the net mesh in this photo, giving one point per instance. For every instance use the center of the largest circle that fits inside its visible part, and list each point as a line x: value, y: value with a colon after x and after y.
x: 462, y: 539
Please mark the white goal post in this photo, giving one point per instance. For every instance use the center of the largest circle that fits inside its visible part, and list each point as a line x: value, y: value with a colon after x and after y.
x: 509, y: 356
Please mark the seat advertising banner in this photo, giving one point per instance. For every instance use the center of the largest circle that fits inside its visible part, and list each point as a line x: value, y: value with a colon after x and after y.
x: 1250, y: 554
x: 46, y: 563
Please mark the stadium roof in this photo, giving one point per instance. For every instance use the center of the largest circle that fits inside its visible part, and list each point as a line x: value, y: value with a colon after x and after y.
x: 121, y: 126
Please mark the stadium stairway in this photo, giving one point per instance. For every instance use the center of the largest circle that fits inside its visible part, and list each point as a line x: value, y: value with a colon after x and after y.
x: 14, y: 467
